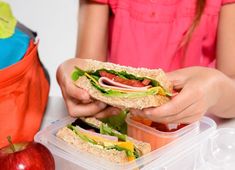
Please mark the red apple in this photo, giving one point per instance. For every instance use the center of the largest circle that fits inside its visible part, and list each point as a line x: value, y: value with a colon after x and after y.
x: 26, y: 156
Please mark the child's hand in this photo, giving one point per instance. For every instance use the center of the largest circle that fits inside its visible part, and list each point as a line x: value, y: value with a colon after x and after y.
x: 77, y: 100
x: 199, y: 90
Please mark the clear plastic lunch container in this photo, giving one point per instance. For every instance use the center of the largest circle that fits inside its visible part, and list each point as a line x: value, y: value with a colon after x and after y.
x: 208, y: 149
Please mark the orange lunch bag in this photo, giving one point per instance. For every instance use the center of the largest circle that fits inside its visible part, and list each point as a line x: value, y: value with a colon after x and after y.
x: 24, y: 89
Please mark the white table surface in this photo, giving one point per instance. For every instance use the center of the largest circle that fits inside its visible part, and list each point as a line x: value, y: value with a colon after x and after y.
x: 56, y: 110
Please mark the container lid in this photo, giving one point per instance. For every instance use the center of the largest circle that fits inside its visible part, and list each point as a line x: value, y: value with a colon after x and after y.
x: 219, y: 153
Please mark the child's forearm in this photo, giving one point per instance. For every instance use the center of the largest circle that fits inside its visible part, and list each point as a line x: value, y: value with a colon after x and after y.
x: 225, y: 107
x: 225, y: 60
x: 92, y: 30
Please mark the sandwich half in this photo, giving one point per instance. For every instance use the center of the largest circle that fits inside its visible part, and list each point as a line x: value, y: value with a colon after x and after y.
x: 97, y: 138
x: 121, y: 86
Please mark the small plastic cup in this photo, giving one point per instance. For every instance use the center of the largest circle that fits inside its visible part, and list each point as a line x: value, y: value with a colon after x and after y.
x: 155, y: 137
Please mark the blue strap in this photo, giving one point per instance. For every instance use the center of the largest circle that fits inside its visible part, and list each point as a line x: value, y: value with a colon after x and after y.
x: 12, y: 49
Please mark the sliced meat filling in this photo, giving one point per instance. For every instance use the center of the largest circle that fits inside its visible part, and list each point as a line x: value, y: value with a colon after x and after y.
x: 112, y: 81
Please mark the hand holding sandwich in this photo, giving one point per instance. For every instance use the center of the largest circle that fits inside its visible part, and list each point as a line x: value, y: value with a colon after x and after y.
x: 77, y: 100
x: 201, y: 90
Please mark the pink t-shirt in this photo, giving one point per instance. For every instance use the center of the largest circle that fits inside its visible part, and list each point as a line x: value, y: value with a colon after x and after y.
x: 147, y: 33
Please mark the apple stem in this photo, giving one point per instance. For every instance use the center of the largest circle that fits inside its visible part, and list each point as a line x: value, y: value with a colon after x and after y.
x: 11, y: 144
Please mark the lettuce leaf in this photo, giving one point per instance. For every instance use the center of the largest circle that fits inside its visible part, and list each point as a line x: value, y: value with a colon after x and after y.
x: 117, y: 122
x: 106, y: 130
x: 77, y: 73
x: 151, y: 91
x: 129, y: 153
x: 81, y: 136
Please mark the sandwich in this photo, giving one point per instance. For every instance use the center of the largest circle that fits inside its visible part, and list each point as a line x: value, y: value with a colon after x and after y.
x: 95, y: 137
x: 122, y: 86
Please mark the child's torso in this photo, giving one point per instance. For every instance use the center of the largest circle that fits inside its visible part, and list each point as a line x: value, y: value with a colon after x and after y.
x: 147, y: 33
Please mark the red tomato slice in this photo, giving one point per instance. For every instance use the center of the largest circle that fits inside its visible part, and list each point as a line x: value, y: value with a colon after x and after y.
x: 133, y: 83
x: 146, y: 82
x: 106, y: 74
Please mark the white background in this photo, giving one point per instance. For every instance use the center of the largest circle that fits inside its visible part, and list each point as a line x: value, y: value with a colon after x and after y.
x: 55, y: 21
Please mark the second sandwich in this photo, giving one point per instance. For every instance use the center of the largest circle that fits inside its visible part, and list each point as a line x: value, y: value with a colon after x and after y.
x: 95, y: 137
